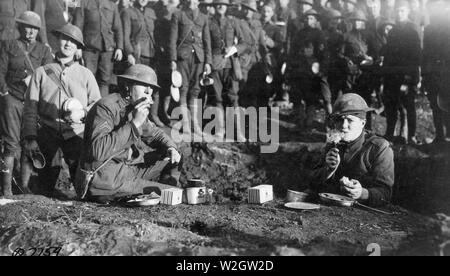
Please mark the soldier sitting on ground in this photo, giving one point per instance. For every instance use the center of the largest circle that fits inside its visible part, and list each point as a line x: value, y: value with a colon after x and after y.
x: 357, y: 164
x: 119, y: 142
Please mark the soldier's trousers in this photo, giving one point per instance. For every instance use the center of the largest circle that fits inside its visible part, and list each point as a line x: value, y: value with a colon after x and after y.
x: 101, y: 65
x: 11, y: 111
x: 55, y: 148
x: 399, y: 102
x: 225, y: 87
x: 441, y: 118
x: 191, y: 70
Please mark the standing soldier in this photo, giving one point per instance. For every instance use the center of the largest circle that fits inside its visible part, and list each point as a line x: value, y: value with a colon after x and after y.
x: 59, y: 95
x: 52, y: 15
x: 9, y: 11
x: 310, y: 46
x: 436, y: 65
x: 190, y: 54
x: 18, y: 60
x: 100, y: 23
x: 296, y: 23
x: 274, y: 42
x: 164, y: 10
x: 335, y: 45
x: 359, y: 63
x: 253, y: 73
x: 140, y: 45
x: 224, y: 31
x: 402, y: 62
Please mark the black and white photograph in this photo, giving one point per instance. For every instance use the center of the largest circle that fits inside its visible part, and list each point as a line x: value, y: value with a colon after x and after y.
x: 199, y: 130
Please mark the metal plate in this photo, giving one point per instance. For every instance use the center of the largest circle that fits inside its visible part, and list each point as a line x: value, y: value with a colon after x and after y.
x: 144, y: 200
x: 336, y: 200
x: 302, y: 206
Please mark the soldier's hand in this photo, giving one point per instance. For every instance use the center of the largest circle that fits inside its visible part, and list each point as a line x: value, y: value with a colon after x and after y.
x: 333, y: 159
x: 30, y: 147
x: 207, y: 69
x: 131, y: 60
x: 351, y: 188
x: 140, y: 113
x: 315, y: 68
x: 118, y: 55
x: 173, y: 66
x: 75, y: 116
x: 174, y: 155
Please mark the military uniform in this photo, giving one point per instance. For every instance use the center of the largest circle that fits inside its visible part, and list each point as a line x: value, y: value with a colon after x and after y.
x: 110, y: 133
x: 103, y: 33
x: 190, y: 47
x: 253, y: 70
x: 223, y: 34
x: 275, y: 58
x: 52, y: 15
x: 139, y: 40
x: 9, y: 11
x: 14, y: 68
x: 312, y: 87
x: 401, y: 67
x: 435, y: 71
x: 370, y: 160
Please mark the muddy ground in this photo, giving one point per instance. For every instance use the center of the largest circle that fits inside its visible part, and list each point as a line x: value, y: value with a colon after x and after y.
x: 230, y: 226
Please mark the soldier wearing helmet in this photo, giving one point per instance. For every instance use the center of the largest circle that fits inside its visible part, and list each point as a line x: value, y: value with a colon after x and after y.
x: 126, y: 152
x: 356, y: 164
x: 51, y: 88
x: 18, y: 60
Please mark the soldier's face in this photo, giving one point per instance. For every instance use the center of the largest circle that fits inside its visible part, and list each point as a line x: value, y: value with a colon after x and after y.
x: 193, y: 4
x: 284, y: 3
x: 403, y: 14
x: 360, y: 25
x: 143, y: 3
x: 349, y: 7
x: 139, y: 91
x: 351, y: 126
x: 334, y: 22
x: 221, y: 9
x: 311, y: 21
x: 28, y: 33
x: 249, y: 14
x: 67, y: 46
x: 267, y: 13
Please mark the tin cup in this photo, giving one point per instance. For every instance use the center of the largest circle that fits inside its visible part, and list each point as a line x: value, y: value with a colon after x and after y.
x: 195, y: 183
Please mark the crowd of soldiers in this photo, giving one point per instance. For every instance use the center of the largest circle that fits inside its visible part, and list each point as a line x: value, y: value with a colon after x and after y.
x: 255, y: 53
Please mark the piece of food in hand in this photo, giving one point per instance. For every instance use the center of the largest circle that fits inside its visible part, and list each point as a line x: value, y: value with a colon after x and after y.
x: 347, y: 182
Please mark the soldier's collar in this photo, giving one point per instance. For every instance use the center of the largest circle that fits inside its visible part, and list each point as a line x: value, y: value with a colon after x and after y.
x: 58, y: 60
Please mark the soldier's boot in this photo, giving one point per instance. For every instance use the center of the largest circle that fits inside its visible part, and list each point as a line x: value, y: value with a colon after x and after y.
x: 7, y: 175
x: 26, y: 170
x: 154, y: 111
x: 165, y: 118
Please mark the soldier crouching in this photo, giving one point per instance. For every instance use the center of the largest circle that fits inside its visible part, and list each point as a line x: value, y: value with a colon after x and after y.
x: 119, y: 143
x: 357, y: 164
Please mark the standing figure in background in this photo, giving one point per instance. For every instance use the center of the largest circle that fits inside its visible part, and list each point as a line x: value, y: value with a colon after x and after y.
x: 52, y: 12
x: 356, y: 52
x: 402, y: 75
x: 18, y: 60
x: 436, y: 66
x: 100, y: 23
x: 9, y: 11
x: 164, y: 10
x: 190, y: 54
x: 274, y: 42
